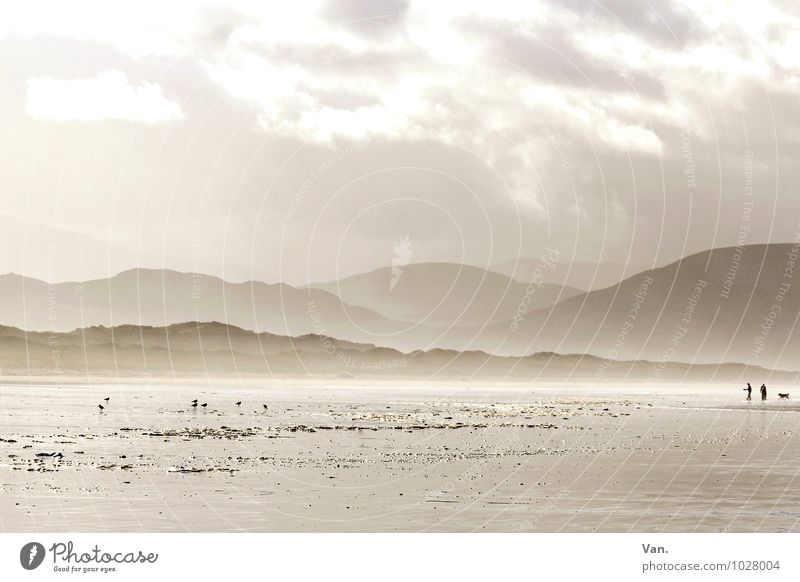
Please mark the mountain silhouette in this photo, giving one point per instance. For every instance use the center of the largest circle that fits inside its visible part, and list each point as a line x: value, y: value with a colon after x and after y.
x: 443, y: 295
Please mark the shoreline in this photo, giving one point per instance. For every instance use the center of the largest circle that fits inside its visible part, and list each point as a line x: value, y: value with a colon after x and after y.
x: 290, y: 380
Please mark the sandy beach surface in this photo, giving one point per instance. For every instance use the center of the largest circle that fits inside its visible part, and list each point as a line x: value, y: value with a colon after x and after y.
x: 546, y: 458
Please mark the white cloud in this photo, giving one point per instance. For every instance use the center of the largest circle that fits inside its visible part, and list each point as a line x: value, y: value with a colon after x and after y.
x: 145, y: 27
x: 467, y: 71
x: 108, y: 96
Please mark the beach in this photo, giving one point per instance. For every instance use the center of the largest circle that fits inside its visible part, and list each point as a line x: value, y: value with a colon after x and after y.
x: 388, y: 458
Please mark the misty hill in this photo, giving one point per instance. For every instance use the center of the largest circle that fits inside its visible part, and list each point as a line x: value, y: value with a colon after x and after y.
x: 582, y: 275
x: 724, y: 305
x: 714, y: 306
x: 162, y: 297
x: 216, y: 350
x: 443, y: 294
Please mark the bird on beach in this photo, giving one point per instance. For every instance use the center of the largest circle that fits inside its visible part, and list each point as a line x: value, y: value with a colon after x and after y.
x: 101, y: 407
x: 107, y: 398
x: 194, y: 401
x: 194, y: 404
x: 204, y: 404
x: 239, y: 403
x: 265, y: 407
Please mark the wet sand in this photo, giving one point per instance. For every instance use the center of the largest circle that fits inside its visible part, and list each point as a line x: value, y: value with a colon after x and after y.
x: 393, y: 458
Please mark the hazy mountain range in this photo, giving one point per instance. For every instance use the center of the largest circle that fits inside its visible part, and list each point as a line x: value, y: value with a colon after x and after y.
x: 162, y: 297
x: 579, y: 274
x: 725, y: 305
x: 442, y: 294
x: 214, y: 349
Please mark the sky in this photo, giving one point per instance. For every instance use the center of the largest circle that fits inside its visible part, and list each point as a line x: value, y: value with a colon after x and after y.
x: 310, y: 140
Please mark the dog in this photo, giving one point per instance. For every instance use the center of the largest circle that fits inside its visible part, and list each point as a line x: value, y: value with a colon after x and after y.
x: 784, y: 396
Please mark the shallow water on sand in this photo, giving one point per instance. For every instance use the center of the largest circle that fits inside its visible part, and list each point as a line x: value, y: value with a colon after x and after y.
x: 394, y: 458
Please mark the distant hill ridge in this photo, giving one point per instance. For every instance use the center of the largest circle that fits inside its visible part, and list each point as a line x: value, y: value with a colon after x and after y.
x: 195, y: 349
x: 711, y: 306
x: 423, y: 306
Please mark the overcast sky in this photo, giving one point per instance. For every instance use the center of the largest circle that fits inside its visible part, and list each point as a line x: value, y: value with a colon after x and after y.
x: 303, y: 140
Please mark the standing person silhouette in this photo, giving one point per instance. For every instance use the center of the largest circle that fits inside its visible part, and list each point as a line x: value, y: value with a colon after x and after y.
x: 749, y: 391
x: 763, y: 392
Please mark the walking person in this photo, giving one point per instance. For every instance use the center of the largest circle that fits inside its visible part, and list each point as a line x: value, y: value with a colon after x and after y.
x: 763, y: 392
x: 749, y: 391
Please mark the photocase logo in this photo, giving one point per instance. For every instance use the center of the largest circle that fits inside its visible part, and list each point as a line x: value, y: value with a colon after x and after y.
x: 402, y: 255
x: 31, y: 555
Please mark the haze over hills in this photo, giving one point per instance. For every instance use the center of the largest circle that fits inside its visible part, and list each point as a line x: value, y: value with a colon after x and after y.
x: 197, y: 350
x: 582, y: 275
x: 725, y: 305
x: 442, y: 294
x: 426, y: 300
x: 190, y: 348
x: 162, y: 297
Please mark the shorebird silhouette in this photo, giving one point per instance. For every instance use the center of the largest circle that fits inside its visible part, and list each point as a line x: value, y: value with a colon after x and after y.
x: 194, y: 404
x: 195, y: 400
x: 239, y: 403
x: 265, y: 407
x: 204, y: 404
x: 106, y: 398
x: 101, y: 407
